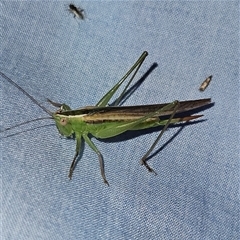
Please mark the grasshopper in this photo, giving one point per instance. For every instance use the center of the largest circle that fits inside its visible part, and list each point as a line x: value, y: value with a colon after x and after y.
x: 105, y: 121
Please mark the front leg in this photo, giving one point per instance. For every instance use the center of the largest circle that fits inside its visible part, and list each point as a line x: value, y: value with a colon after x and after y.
x: 100, y: 157
x: 73, y: 164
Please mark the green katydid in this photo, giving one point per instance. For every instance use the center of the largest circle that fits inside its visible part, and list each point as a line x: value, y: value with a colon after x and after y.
x: 104, y: 121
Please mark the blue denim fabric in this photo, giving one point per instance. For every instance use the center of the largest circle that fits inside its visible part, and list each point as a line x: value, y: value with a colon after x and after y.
x: 53, y: 55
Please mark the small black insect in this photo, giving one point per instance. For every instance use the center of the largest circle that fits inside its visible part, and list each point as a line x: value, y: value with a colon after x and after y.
x: 76, y: 11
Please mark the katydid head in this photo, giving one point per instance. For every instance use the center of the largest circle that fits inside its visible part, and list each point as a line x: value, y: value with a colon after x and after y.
x: 63, y: 124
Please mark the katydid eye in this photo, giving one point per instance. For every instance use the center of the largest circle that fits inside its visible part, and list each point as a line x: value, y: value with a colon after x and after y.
x: 63, y: 121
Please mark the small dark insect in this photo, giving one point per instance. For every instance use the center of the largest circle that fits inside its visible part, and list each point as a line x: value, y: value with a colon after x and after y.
x: 205, y: 83
x: 76, y: 11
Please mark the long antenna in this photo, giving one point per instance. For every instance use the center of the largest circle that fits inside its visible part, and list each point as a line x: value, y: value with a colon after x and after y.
x: 27, y: 94
x: 23, y: 123
x: 27, y: 130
